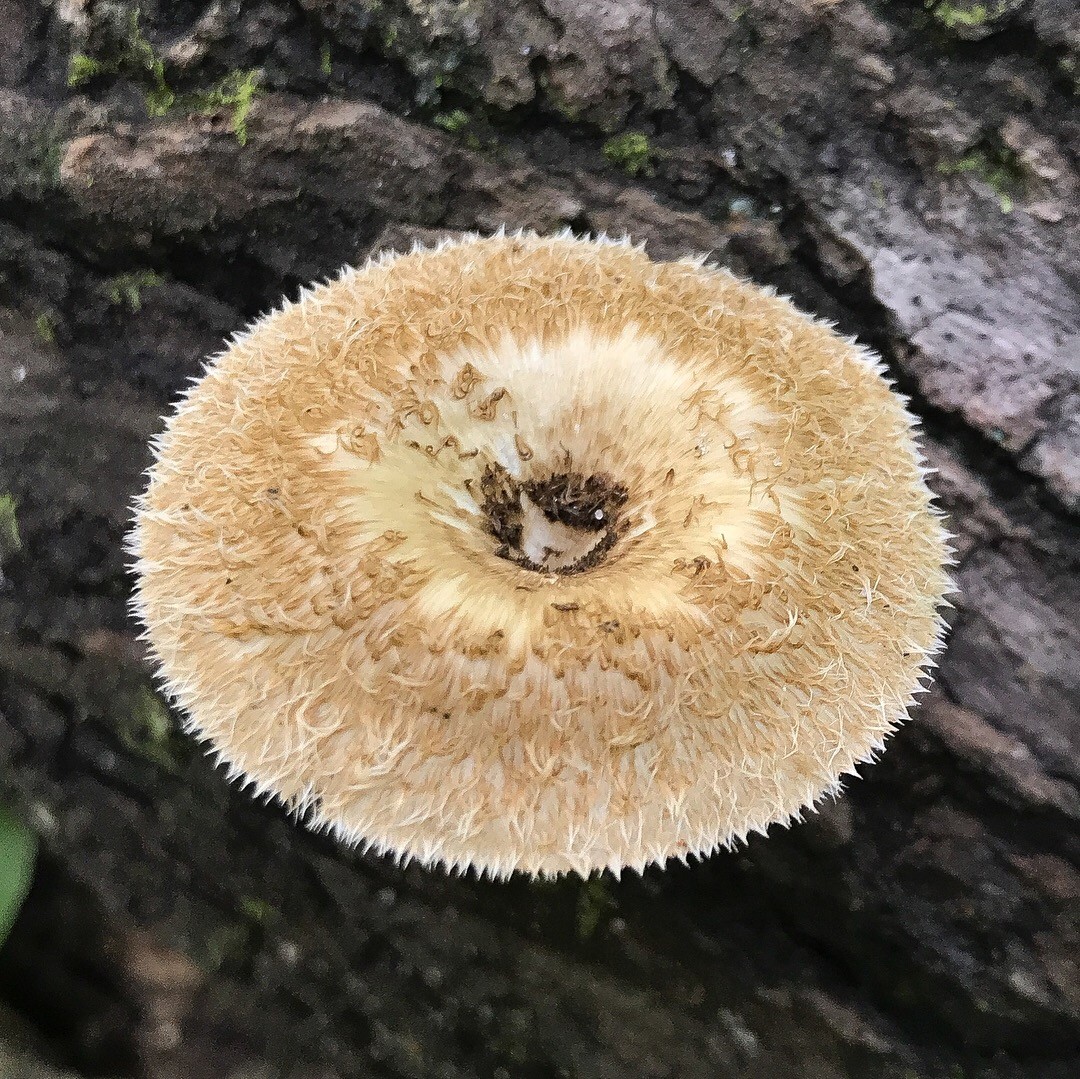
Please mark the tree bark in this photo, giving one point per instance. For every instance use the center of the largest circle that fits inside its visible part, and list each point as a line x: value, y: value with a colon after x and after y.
x: 906, y: 169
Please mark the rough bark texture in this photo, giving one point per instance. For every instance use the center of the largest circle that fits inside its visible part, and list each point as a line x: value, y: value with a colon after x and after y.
x: 906, y: 169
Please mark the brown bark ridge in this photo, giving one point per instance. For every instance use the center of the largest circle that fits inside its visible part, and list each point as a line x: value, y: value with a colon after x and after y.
x: 906, y: 169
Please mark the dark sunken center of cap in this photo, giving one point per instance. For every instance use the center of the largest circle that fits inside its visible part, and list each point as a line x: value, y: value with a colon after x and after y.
x: 563, y: 523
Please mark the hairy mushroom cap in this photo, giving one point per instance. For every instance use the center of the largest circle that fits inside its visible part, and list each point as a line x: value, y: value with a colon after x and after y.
x: 531, y: 553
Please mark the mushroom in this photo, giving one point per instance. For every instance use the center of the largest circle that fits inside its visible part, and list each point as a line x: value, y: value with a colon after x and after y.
x: 529, y: 553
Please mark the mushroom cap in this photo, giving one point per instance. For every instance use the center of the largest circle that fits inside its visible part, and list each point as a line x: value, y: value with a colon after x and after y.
x: 530, y: 553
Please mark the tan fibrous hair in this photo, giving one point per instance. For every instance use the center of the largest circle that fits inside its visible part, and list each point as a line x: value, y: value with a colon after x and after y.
x: 528, y: 553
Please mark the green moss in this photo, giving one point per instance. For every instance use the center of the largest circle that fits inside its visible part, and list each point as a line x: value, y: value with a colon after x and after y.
x: 134, y: 57
x: 568, y: 110
x: 137, y: 59
x: 326, y: 65
x: 630, y: 152
x: 83, y: 68
x: 1069, y: 69
x: 140, y: 58
x: 225, y: 944
x: 997, y: 166
x: 235, y: 93
x: 955, y: 16
x: 138, y: 49
x: 43, y: 327
x: 50, y: 157
x: 968, y: 163
x: 126, y: 288
x: 152, y: 717
x: 256, y: 910
x: 594, y: 904
x: 159, y: 99
x: 145, y: 728
x: 452, y: 121
x: 10, y: 540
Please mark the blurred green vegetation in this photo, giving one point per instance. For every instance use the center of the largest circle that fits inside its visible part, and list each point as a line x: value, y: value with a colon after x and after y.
x: 18, y: 852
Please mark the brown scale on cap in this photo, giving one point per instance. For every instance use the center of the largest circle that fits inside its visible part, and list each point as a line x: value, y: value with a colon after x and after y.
x: 530, y: 553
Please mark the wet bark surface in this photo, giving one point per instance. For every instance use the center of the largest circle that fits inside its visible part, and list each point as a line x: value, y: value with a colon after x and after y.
x: 906, y: 169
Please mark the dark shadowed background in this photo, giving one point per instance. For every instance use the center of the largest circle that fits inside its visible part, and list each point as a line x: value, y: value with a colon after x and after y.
x: 907, y: 169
